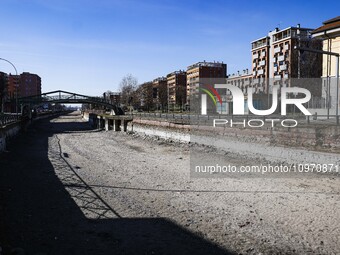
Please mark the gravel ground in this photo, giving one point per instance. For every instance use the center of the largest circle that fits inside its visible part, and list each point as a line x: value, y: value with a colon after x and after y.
x: 82, y: 191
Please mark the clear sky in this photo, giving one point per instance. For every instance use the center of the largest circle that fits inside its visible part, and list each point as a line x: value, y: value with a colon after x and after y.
x: 87, y: 46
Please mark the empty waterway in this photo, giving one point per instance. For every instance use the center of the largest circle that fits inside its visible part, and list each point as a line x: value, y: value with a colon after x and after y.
x: 82, y: 191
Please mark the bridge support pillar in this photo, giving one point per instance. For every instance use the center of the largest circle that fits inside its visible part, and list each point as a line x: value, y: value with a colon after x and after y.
x: 116, y: 125
x: 125, y: 123
x: 101, y: 122
x: 108, y: 124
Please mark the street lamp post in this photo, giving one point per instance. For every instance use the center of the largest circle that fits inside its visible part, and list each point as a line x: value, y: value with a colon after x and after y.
x: 337, y: 55
x: 16, y: 85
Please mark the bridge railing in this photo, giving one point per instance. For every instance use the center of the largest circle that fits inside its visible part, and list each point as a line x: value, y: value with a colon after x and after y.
x: 60, y: 96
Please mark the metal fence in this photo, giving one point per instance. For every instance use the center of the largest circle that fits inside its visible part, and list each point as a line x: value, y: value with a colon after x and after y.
x: 6, y: 119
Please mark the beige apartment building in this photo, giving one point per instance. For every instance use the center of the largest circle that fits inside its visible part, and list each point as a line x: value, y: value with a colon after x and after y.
x: 177, y: 82
x: 329, y: 33
x: 241, y: 79
x: 200, y: 70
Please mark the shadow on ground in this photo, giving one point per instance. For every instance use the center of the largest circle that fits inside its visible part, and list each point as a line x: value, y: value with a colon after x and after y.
x: 38, y: 214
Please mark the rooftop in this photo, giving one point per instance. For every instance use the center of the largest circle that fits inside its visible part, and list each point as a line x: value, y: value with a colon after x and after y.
x: 328, y: 25
x: 208, y: 64
x: 159, y: 79
x: 263, y: 40
x: 176, y: 72
x: 239, y: 74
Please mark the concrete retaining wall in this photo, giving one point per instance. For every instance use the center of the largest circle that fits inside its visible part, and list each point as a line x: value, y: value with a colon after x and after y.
x: 321, y: 137
x: 7, y: 133
x: 294, y: 145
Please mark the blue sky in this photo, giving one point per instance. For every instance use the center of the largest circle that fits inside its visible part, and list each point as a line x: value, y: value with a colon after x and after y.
x: 87, y: 46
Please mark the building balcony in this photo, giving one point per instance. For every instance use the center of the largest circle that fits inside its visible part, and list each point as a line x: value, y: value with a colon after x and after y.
x: 283, y: 67
x: 281, y: 58
x: 254, y: 73
x: 277, y: 77
x: 263, y: 54
x: 277, y: 49
x: 262, y: 63
x: 275, y: 68
x: 260, y: 72
x: 255, y: 56
x: 286, y: 47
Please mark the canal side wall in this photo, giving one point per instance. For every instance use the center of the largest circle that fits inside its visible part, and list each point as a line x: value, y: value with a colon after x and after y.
x: 13, y: 129
x: 317, y: 137
x: 292, y: 145
x: 323, y: 138
x: 7, y: 132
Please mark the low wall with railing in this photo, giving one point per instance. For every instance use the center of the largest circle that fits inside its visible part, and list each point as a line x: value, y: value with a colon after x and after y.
x: 11, y: 126
x: 7, y: 132
x: 6, y: 119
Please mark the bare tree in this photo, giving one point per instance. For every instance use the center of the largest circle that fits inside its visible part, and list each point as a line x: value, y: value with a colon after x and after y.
x: 163, y: 95
x: 128, y: 87
x: 147, y: 96
x: 181, y: 95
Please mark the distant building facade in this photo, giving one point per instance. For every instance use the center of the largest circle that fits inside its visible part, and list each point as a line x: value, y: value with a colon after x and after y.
x: 112, y: 97
x: 13, y: 86
x: 201, y: 70
x: 176, y: 84
x: 3, y: 90
x: 29, y: 84
x: 23, y: 85
x: 274, y: 56
x: 329, y: 33
x: 241, y: 80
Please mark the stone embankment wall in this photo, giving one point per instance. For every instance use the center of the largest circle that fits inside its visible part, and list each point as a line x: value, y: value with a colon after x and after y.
x: 314, y: 144
x: 319, y: 137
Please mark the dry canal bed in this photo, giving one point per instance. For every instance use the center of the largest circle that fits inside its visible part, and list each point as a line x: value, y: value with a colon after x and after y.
x: 67, y: 189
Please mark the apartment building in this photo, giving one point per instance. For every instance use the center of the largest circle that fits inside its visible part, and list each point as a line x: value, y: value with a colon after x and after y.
x: 329, y: 33
x: 274, y: 56
x: 260, y: 49
x: 176, y: 83
x: 200, y: 70
x: 29, y: 84
x: 112, y: 97
x: 3, y: 90
x: 13, y: 86
x: 241, y: 79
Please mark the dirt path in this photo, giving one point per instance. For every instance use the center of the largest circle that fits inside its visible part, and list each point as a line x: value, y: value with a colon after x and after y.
x: 79, y: 191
